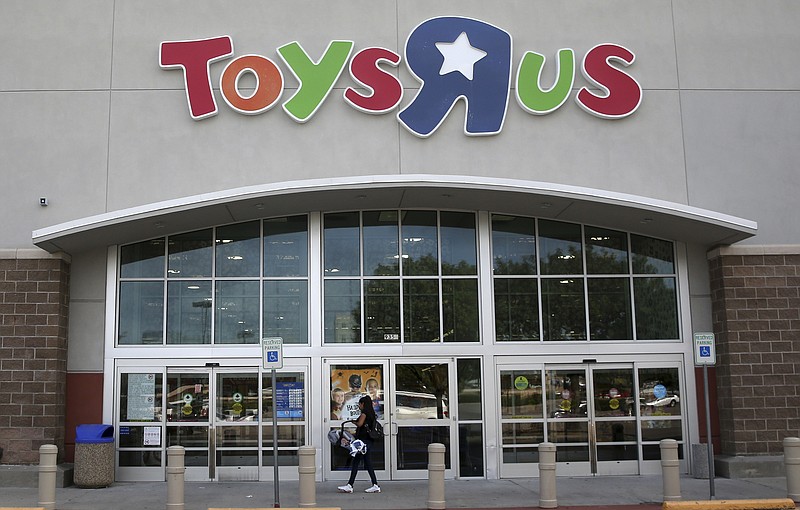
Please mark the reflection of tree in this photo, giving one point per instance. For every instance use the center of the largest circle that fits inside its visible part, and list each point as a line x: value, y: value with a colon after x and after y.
x: 656, y: 308
x: 525, y: 265
x: 602, y: 260
x: 460, y: 310
x: 559, y: 262
x: 428, y: 379
x: 423, y: 266
x: 610, y: 309
x: 516, y: 309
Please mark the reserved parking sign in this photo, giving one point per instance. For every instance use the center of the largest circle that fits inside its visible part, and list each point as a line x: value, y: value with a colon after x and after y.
x: 704, y: 351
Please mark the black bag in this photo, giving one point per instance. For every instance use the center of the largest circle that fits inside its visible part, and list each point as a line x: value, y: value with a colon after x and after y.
x: 375, y: 431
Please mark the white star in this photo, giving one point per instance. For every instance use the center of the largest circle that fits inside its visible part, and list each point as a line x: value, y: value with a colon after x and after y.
x: 459, y: 55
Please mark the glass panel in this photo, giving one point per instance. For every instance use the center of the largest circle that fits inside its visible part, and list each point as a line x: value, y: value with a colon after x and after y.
x: 289, y: 436
x: 653, y: 451
x: 566, y: 393
x: 237, y: 397
x: 351, y: 382
x: 196, y: 458
x: 563, y: 310
x: 412, y: 446
x: 142, y: 260
x: 606, y: 251
x: 342, y: 311
x: 237, y: 436
x: 568, y: 432
x: 237, y: 312
x: 617, y: 452
x: 656, y: 308
x: 572, y: 454
x: 421, y: 310
x: 381, y: 251
x: 459, y: 248
x: 470, y: 450
x: 513, y: 455
x: 523, y: 433
x: 141, y: 313
x: 422, y: 391
x: 652, y: 256
x: 189, y: 312
x: 237, y: 458
x: 513, y: 245
x: 616, y: 431
x: 190, y: 254
x: 133, y: 437
x: 468, y: 375
x: 285, y: 457
x: 656, y: 430
x: 382, y: 310
x: 286, y: 310
x: 239, y: 249
x: 189, y: 436
x: 516, y: 308
x: 460, y: 310
x: 659, y: 392
x: 521, y: 394
x: 420, y: 243
x: 341, y: 459
x: 341, y: 241
x: 560, y: 248
x: 610, y: 309
x: 286, y: 246
x: 290, y: 397
x: 140, y: 397
x: 613, y: 392
x: 139, y: 458
x: 187, y: 397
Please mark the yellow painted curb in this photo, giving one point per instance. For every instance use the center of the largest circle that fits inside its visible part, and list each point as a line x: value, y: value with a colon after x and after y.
x: 284, y: 508
x: 731, y: 504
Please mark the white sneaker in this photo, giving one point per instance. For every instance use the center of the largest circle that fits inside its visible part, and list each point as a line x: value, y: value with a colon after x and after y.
x: 374, y: 488
x: 348, y: 488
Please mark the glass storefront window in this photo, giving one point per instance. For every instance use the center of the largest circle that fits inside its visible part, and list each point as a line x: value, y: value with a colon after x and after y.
x: 563, y: 312
x: 459, y: 248
x: 237, y: 310
x: 421, y: 310
x: 513, y: 245
x: 142, y: 260
x: 140, y: 397
x: 521, y: 394
x: 187, y: 397
x: 342, y: 316
x: 560, y: 248
x: 190, y: 254
x: 470, y: 394
x: 141, y: 313
x: 382, y: 310
x: 189, y: 312
x: 652, y: 256
x: 238, y: 249
x: 420, y: 243
x: 341, y: 244
x: 381, y: 251
x: 606, y: 251
x: 610, y: 309
x: 656, y: 305
x: 286, y: 246
x: 286, y: 310
x: 516, y: 309
x: 460, y: 310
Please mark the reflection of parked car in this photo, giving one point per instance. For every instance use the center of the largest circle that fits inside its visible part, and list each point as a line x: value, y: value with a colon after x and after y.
x: 666, y: 401
x: 418, y: 406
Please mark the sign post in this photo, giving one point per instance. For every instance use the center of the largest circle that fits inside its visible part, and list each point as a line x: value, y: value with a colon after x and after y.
x: 705, y: 354
x: 272, y: 350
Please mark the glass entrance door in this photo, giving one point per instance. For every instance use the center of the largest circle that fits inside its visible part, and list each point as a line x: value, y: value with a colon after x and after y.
x: 591, y: 417
x: 411, y: 398
x: 214, y: 413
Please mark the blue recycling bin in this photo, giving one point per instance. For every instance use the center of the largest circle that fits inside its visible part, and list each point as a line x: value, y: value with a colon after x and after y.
x: 94, y: 456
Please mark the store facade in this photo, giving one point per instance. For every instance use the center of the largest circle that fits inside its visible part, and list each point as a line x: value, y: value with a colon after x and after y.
x: 526, y: 265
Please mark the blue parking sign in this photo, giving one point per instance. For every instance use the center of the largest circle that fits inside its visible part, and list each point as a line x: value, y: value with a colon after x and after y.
x: 272, y: 349
x: 704, y: 350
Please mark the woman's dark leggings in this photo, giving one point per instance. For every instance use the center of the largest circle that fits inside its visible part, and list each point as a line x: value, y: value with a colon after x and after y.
x: 367, y: 465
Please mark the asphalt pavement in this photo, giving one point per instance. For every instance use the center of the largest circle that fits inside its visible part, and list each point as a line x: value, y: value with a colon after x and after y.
x: 639, y: 492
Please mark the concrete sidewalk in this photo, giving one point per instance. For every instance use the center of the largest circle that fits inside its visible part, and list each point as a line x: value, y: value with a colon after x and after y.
x: 643, y: 492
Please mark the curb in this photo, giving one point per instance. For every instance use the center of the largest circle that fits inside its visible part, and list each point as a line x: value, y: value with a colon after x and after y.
x: 731, y: 504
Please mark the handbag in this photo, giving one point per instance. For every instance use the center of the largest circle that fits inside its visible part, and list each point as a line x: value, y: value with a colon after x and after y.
x: 375, y: 431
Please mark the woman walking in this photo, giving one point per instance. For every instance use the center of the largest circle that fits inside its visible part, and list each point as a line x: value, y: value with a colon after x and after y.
x: 365, y: 422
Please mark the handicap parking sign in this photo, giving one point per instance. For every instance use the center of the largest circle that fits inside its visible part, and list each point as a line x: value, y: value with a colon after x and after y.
x: 272, y: 349
x: 704, y: 350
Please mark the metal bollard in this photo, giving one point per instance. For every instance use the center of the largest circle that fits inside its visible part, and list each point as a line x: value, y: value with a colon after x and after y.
x: 176, y: 472
x: 791, y: 460
x: 48, y: 454
x: 670, y: 470
x: 436, y: 476
x: 308, y: 472
x: 547, y: 476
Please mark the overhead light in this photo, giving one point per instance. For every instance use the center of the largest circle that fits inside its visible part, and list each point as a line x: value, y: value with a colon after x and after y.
x: 235, y: 257
x: 193, y: 287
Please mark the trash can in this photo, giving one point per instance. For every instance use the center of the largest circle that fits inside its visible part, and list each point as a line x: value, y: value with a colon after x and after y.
x: 94, y: 456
